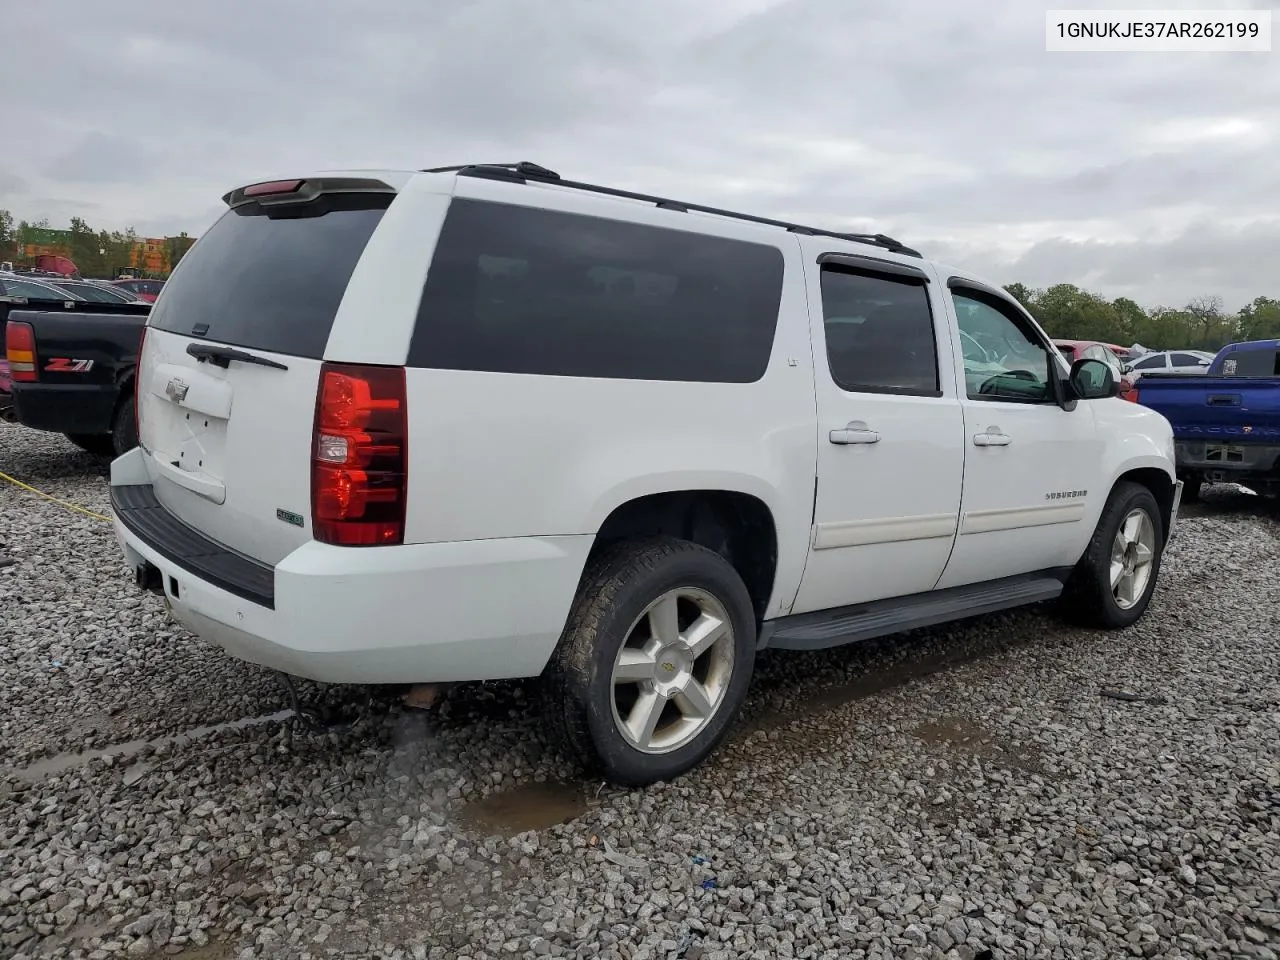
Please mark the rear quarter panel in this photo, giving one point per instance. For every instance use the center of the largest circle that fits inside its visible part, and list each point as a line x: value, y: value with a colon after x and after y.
x: 495, y: 455
x: 109, y: 340
x: 1216, y: 408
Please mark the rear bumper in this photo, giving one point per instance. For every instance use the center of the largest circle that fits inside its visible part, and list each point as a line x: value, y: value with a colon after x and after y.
x: 73, y: 408
x: 1227, y: 456
x: 472, y: 610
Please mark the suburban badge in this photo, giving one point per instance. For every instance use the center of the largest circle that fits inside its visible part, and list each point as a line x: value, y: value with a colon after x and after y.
x: 288, y: 516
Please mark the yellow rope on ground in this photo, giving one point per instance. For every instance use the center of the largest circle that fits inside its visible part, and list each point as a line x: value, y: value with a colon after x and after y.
x: 61, y: 503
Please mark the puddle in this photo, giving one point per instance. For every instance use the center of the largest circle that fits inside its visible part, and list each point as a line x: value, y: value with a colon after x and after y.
x: 532, y: 806
x: 61, y: 763
x: 959, y: 733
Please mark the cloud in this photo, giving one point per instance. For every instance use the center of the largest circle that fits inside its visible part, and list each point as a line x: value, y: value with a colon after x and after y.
x: 101, y: 158
x: 947, y: 125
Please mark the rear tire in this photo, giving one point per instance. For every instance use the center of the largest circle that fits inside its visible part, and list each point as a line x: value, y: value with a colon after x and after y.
x: 124, y: 428
x: 98, y: 444
x: 1191, y: 489
x: 1112, y: 584
x: 655, y: 660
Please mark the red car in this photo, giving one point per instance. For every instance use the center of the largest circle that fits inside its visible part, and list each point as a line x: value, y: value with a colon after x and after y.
x: 1108, y: 353
x: 146, y: 289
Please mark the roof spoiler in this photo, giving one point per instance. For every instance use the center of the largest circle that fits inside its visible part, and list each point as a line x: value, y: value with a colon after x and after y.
x: 282, y: 193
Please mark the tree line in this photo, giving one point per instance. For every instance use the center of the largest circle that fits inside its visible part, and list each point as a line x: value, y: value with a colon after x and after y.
x: 1068, y: 313
x: 96, y: 253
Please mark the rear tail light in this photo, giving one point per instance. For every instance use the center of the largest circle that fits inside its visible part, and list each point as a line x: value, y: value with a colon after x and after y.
x: 360, y: 456
x: 20, y: 351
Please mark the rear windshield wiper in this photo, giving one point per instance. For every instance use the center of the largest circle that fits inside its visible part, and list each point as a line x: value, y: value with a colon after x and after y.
x: 222, y: 356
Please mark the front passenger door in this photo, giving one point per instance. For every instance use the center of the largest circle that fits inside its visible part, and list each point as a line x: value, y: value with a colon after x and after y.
x: 1031, y: 467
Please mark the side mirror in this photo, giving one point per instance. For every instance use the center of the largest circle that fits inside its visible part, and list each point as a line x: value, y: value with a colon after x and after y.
x: 1093, y: 380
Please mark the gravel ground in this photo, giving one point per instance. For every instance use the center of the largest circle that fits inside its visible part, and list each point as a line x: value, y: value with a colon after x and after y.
x: 967, y: 792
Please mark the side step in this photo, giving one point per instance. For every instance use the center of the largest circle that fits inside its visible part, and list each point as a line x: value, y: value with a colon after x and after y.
x: 833, y: 628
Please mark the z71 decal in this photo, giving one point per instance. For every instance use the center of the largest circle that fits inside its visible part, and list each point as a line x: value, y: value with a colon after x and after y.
x: 68, y: 365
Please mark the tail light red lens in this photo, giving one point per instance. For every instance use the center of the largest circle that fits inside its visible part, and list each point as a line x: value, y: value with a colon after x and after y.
x: 360, y: 456
x: 20, y: 351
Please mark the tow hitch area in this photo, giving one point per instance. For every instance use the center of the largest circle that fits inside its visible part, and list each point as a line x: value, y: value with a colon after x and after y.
x: 147, y: 576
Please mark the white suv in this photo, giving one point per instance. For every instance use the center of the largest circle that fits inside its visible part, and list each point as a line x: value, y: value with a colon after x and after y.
x: 483, y: 422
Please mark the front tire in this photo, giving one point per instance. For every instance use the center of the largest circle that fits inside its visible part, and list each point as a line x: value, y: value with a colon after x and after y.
x: 1112, y: 584
x: 654, y: 662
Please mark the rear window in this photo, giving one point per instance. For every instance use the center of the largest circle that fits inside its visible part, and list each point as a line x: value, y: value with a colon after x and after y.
x: 520, y: 290
x: 268, y: 283
x: 1252, y: 363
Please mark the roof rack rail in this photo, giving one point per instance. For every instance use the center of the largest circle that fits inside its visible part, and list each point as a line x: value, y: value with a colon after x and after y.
x: 525, y: 171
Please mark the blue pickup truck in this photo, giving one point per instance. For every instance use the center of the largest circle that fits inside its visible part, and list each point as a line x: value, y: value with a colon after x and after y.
x: 1226, y: 422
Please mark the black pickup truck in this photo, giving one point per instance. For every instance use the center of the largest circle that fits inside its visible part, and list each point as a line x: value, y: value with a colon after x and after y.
x: 71, y: 368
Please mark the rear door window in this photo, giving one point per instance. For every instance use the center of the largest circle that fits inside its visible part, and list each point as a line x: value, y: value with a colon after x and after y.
x: 522, y: 290
x: 879, y: 333
x: 1252, y: 363
x: 1150, y: 363
x: 269, y: 283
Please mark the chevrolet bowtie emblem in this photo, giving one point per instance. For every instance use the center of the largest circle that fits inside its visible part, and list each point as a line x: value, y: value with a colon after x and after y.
x: 176, y: 390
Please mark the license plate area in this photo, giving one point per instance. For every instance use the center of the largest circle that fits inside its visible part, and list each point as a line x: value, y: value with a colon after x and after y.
x: 1223, y: 453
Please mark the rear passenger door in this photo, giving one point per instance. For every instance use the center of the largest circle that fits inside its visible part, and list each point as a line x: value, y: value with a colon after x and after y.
x: 890, y: 431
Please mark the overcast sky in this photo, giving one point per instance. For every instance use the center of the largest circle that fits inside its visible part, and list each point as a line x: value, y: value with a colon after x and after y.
x: 942, y: 122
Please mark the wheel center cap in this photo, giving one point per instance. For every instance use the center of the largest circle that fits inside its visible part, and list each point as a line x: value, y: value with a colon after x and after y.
x: 674, y: 664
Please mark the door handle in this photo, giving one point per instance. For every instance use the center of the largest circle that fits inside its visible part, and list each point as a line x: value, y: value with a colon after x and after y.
x: 855, y: 432
x: 992, y: 438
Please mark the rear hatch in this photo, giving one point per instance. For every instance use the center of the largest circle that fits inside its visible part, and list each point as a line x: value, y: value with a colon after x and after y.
x: 232, y: 356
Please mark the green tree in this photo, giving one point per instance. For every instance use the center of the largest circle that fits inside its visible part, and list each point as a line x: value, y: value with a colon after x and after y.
x: 8, y: 236
x: 1211, y: 326
x: 1069, y: 313
x: 1022, y: 293
x: 1260, y: 320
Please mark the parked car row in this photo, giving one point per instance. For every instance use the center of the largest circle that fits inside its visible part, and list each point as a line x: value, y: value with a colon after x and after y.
x: 51, y: 286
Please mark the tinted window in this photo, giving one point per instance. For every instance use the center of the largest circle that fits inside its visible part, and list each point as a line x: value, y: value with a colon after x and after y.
x: 37, y: 291
x: 1152, y: 363
x: 1252, y: 363
x: 87, y: 291
x: 1013, y: 364
x: 270, y: 283
x: 879, y: 333
x: 520, y: 290
x: 1187, y: 360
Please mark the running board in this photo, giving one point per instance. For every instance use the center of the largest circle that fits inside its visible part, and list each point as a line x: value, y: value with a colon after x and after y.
x: 833, y: 628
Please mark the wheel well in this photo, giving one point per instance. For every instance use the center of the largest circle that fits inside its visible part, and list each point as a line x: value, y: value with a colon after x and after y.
x: 737, y: 526
x: 1161, y: 487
